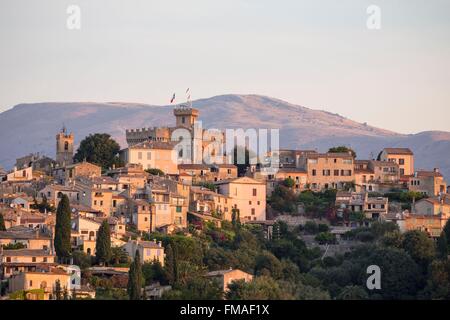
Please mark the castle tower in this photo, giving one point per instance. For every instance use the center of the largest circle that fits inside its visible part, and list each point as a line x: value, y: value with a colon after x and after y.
x: 185, y: 116
x: 64, y: 148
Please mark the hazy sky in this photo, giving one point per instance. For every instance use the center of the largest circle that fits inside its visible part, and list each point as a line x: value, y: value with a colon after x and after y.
x: 316, y: 53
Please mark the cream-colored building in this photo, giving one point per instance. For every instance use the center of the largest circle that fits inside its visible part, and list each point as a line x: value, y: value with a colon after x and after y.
x: 30, y: 238
x: 143, y: 215
x: 226, y: 277
x: 404, y: 157
x: 433, y: 206
x: 431, y: 183
x: 84, y: 233
x: 24, y: 260
x: 245, y: 194
x: 149, y: 251
x: 82, y: 169
x: 153, y: 155
x: 17, y: 175
x: 54, y: 193
x: 327, y: 170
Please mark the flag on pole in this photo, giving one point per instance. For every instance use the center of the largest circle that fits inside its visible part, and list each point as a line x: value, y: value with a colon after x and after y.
x: 173, y: 98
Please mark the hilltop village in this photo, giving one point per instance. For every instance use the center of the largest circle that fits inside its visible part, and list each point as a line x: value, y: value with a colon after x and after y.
x: 151, y: 225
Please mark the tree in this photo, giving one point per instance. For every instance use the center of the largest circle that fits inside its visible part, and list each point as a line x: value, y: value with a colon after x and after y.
x: 353, y: 293
x: 135, y: 278
x: 171, y: 265
x: 155, y: 172
x: 419, y: 246
x: 447, y: 231
x: 268, y: 265
x: 99, y: 149
x: 2, y: 223
x: 342, y: 149
x: 260, y: 288
x: 103, y: 243
x: 442, y: 246
x: 289, y: 182
x: 62, y: 229
x: 235, y: 217
x: 58, y: 291
x: 118, y: 255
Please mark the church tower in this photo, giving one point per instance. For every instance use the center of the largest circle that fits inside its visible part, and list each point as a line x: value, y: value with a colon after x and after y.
x: 64, y: 148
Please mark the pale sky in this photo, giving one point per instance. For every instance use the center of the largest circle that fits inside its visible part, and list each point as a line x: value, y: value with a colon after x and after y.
x: 317, y: 53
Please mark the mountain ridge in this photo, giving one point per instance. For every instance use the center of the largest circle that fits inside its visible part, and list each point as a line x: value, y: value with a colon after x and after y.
x: 300, y: 126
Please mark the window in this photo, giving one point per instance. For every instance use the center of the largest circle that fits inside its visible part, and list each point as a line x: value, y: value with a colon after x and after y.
x: 336, y: 173
x: 314, y: 172
x: 253, y: 211
x: 327, y: 173
x: 149, y: 155
x: 45, y: 259
x: 402, y: 172
x: 145, y: 219
x: 401, y: 161
x: 259, y: 202
x: 33, y: 259
x: 254, y: 192
x: 8, y: 259
x: 183, y: 120
x: 114, y: 203
x: 66, y: 146
x: 229, y: 171
x: 31, y: 283
x: 140, y: 155
x: 178, y: 209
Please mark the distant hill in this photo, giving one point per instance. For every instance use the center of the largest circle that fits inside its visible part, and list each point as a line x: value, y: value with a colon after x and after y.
x: 30, y: 128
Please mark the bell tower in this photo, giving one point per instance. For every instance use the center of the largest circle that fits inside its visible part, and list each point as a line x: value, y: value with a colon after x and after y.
x: 64, y: 148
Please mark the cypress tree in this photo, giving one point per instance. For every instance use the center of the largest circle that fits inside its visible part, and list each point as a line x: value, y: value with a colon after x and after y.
x: 62, y: 229
x: 442, y: 246
x: 170, y: 265
x: 135, y: 278
x: 2, y: 223
x: 446, y: 230
x: 103, y: 243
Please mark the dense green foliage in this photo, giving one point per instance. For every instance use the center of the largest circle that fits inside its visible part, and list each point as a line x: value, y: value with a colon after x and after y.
x: 342, y: 149
x: 155, y: 172
x: 100, y: 149
x: 62, y: 229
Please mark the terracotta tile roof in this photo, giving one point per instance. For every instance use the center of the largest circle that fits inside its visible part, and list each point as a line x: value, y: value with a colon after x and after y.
x: 424, y: 173
x: 193, y: 166
x: 23, y: 233
x: 26, y: 252
x: 405, y: 151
